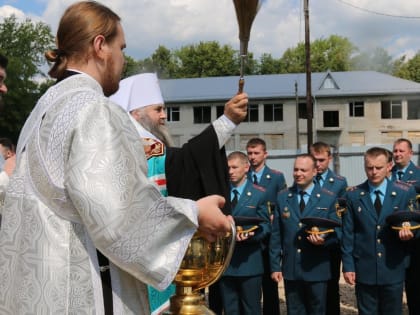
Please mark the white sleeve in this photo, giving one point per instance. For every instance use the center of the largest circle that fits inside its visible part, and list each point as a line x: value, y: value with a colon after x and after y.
x: 224, y: 128
x: 4, y: 181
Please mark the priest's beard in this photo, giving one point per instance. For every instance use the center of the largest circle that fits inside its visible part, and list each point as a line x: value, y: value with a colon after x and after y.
x: 112, y: 79
x: 160, y: 131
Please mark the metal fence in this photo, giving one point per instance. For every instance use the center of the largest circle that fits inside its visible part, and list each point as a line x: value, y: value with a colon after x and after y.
x: 347, y: 161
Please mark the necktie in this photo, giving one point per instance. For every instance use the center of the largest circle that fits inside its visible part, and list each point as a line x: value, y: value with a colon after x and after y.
x: 302, y: 201
x: 234, y: 201
x: 377, y: 203
x: 254, y: 177
x: 400, y: 174
x: 319, y: 179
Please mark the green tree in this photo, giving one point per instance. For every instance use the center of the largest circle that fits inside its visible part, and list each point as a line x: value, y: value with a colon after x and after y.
x: 293, y: 60
x: 269, y: 65
x: 207, y: 59
x: 409, y: 70
x: 333, y: 53
x: 24, y: 43
x: 132, y: 67
x: 164, y: 62
x: 161, y: 62
x: 192, y: 61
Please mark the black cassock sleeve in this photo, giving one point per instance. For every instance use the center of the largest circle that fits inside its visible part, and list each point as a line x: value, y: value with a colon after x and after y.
x: 198, y: 169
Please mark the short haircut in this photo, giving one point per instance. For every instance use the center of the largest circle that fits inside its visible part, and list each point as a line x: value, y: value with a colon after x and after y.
x: 8, y: 144
x: 319, y: 147
x: 238, y: 155
x: 306, y: 155
x: 377, y: 151
x: 3, y: 61
x: 401, y: 140
x: 253, y: 142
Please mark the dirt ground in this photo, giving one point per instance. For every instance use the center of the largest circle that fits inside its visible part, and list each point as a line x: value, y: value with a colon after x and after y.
x: 348, y: 300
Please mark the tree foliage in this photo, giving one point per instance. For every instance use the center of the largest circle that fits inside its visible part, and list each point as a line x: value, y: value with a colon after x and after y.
x: 269, y: 65
x: 206, y: 59
x: 332, y: 53
x: 410, y: 69
x: 24, y: 43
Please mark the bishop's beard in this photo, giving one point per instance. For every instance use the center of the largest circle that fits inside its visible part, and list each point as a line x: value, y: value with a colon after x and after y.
x: 160, y: 131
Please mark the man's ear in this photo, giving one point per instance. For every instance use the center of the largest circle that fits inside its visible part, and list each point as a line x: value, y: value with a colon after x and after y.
x: 99, y: 44
x: 136, y: 114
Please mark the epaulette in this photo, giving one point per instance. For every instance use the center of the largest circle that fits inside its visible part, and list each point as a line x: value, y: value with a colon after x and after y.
x: 402, y: 185
x: 276, y: 171
x: 328, y: 192
x: 285, y: 189
x: 352, y: 188
x: 340, y: 177
x: 257, y: 187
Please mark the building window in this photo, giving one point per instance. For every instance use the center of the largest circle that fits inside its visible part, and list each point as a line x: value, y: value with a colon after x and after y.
x: 413, y: 109
x: 172, y: 113
x: 274, y: 141
x: 302, y: 110
x: 357, y: 109
x: 329, y: 83
x: 357, y: 138
x: 391, y: 109
x: 273, y: 112
x: 390, y: 136
x: 252, y: 115
x: 331, y: 118
x: 303, y: 113
x: 414, y: 136
x: 202, y: 114
x: 244, y: 138
x: 220, y: 110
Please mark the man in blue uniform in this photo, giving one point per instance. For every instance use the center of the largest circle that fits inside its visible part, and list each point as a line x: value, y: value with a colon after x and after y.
x: 240, y: 285
x: 327, y: 179
x: 273, y: 181
x: 374, y: 255
x: 405, y: 170
x: 302, y: 260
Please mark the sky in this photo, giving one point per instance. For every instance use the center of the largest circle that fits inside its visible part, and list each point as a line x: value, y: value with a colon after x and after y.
x: 279, y: 24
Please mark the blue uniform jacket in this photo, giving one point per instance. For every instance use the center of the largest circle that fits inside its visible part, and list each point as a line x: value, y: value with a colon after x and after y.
x: 411, y: 175
x: 370, y: 247
x: 290, y: 251
x: 335, y: 183
x: 273, y: 181
x: 247, y: 259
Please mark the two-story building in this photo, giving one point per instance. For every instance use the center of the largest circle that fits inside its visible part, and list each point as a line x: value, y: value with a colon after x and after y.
x: 349, y: 108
